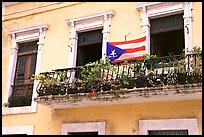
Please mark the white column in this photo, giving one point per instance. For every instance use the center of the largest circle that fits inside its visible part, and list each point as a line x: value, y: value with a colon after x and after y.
x: 73, y: 46
x: 188, y: 25
x: 3, y: 10
x: 11, y: 68
x: 42, y: 32
x: 145, y: 28
x: 106, y: 32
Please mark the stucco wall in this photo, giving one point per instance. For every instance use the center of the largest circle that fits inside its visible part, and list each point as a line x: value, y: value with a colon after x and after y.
x: 55, y: 55
x: 197, y: 24
x: 124, y: 119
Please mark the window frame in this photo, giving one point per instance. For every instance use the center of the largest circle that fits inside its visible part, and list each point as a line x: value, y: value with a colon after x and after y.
x: 169, y: 124
x: 84, y: 127
x: 20, y: 36
x: 101, y: 20
x: 151, y: 10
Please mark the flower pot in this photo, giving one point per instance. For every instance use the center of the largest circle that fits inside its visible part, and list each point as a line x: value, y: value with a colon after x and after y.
x: 141, y: 81
x: 194, y: 79
x: 132, y: 83
x: 182, y: 78
x: 106, y: 87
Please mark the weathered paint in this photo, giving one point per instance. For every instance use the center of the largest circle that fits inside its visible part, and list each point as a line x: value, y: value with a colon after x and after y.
x: 124, y: 119
x: 121, y: 119
x: 197, y: 24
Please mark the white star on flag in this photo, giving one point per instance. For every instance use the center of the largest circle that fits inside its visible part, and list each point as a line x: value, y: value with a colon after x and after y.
x: 113, y: 54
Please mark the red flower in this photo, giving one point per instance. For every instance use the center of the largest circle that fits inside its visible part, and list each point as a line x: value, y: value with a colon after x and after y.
x: 91, y: 94
x: 113, y: 85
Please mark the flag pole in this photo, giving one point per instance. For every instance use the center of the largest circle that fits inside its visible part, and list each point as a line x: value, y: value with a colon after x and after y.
x: 126, y: 35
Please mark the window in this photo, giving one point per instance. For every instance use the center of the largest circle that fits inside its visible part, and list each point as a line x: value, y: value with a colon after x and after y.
x: 90, y: 128
x: 168, y: 126
x: 162, y: 21
x: 87, y: 43
x: 166, y: 35
x: 84, y: 31
x: 25, y: 60
x: 25, y: 68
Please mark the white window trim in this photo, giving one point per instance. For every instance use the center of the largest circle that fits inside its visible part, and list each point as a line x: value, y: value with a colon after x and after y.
x: 88, y: 23
x: 169, y: 124
x: 20, y: 36
x: 27, y: 129
x: 152, y: 10
x: 84, y: 127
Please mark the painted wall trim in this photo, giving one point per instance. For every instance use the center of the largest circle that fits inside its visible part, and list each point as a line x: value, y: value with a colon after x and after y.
x: 19, y: 11
x: 27, y: 129
x: 169, y: 124
x: 29, y: 28
x: 24, y: 34
x: 84, y: 127
x: 89, y: 22
x: 161, y: 9
x: 144, y: 4
x: 108, y: 12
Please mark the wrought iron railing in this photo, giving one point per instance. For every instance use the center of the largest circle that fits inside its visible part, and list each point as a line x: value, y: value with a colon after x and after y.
x: 169, y: 70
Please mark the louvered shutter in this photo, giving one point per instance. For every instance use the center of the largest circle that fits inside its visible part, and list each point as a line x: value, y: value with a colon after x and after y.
x: 25, y: 68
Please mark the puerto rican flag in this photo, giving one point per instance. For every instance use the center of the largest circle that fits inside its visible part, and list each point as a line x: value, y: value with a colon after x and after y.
x: 126, y: 50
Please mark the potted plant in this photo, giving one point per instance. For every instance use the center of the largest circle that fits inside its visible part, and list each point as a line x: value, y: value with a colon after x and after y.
x: 195, y: 70
x: 49, y: 84
x: 95, y: 75
x: 181, y: 72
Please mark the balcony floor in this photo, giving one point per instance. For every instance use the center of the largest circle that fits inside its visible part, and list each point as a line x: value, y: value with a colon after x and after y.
x: 124, y: 96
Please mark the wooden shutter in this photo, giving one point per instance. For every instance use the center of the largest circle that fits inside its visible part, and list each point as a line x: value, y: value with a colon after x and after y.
x: 89, y: 47
x: 25, y: 68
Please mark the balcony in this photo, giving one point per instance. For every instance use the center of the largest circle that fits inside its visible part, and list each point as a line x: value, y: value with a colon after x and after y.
x: 176, y: 77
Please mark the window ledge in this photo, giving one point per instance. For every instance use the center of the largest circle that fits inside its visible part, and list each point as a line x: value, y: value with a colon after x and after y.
x: 19, y: 110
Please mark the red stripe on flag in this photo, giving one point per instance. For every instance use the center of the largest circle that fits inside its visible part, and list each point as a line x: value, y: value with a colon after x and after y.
x: 128, y: 42
x: 135, y: 49
x: 136, y: 58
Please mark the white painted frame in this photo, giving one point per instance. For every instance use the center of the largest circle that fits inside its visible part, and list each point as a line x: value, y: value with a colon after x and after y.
x: 27, y: 129
x: 190, y: 124
x: 151, y: 10
x: 20, y: 36
x: 90, y: 22
x: 84, y: 127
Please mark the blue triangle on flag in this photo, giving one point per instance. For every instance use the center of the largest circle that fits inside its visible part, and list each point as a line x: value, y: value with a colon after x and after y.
x: 113, y: 52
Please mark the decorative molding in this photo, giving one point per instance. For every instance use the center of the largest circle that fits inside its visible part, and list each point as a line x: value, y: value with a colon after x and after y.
x: 27, y: 129
x: 169, y: 124
x: 20, y: 36
x: 32, y: 28
x: 84, y: 127
x: 151, y: 10
x: 87, y: 23
x: 90, y: 16
x: 145, y: 4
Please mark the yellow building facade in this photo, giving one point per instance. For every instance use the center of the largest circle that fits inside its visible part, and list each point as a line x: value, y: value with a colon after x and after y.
x: 56, y: 27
